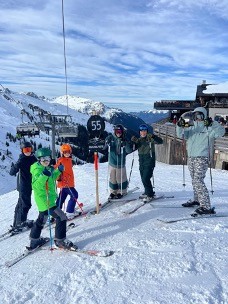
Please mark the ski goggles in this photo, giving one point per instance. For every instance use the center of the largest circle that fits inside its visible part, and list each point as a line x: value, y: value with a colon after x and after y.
x: 118, y: 131
x: 67, y: 152
x: 45, y: 159
x: 143, y: 128
x: 27, y: 149
x: 198, y: 115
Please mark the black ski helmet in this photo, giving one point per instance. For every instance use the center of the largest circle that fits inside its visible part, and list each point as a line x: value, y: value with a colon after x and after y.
x: 26, y: 144
x: 119, y: 127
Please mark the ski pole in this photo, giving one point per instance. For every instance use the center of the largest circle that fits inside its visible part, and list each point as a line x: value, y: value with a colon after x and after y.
x: 49, y: 216
x: 79, y: 204
x: 132, y: 163
x: 108, y: 169
x: 183, y: 157
x: 209, y: 161
x: 121, y: 170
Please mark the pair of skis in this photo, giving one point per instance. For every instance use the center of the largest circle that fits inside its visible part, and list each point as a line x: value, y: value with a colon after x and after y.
x: 28, y: 251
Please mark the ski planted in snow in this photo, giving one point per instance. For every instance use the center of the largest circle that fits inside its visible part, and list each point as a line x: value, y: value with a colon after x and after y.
x: 145, y: 203
x: 199, y: 217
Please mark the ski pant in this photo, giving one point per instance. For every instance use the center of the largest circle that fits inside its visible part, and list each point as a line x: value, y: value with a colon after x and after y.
x: 72, y: 201
x: 146, y: 173
x: 60, y: 227
x: 22, y: 208
x: 118, y: 180
x: 198, y: 167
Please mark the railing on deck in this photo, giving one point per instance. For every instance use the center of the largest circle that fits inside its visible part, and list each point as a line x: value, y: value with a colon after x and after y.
x: 221, y: 144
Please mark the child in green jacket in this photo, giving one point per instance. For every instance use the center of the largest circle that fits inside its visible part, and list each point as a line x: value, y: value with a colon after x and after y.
x: 44, y: 187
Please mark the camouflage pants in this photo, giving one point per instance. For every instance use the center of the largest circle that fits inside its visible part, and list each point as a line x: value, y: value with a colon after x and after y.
x: 198, y: 167
x: 118, y: 180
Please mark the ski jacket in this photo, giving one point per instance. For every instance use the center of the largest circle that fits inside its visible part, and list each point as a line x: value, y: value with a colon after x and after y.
x: 24, y: 178
x: 146, y: 149
x: 199, y: 138
x: 66, y: 179
x: 118, y: 149
x: 44, y: 186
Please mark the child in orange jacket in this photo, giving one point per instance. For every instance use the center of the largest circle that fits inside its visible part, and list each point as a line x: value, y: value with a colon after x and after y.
x: 66, y: 181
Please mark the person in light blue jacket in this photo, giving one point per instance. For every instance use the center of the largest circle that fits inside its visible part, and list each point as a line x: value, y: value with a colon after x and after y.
x: 199, y: 136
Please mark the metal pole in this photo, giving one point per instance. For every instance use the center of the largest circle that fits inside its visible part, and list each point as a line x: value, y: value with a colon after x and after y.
x: 53, y: 140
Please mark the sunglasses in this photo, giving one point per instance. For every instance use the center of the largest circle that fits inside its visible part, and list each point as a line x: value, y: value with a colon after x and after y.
x: 27, y: 150
x: 45, y: 159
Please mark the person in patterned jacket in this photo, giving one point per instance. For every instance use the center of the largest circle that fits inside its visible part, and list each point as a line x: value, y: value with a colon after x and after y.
x: 199, y: 136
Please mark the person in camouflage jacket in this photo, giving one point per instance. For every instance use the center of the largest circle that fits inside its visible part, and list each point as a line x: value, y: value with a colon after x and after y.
x: 146, y: 151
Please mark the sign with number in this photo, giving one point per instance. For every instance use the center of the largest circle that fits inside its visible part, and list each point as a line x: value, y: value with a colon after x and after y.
x: 95, y: 125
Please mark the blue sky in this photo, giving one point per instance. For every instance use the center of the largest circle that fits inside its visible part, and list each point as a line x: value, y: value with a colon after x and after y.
x: 117, y: 51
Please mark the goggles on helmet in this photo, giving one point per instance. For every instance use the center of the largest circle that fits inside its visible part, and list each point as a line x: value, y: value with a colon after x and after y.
x: 45, y: 159
x: 27, y: 149
x: 143, y: 128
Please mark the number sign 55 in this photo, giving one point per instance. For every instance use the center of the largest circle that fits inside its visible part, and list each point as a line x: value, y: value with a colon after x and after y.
x: 95, y: 125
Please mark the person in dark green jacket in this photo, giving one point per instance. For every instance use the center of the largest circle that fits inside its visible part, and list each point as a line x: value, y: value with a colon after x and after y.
x: 146, y: 151
x: 118, y: 149
x: 44, y: 178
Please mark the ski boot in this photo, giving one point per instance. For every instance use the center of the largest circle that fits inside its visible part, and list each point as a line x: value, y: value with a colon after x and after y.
x: 203, y: 211
x: 190, y: 203
x: 65, y: 244
x: 35, y: 243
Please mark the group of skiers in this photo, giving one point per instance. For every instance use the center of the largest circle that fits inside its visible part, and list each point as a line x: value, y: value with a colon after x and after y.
x: 36, y: 173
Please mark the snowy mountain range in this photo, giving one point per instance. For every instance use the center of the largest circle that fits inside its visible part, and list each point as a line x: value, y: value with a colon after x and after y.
x: 17, y: 108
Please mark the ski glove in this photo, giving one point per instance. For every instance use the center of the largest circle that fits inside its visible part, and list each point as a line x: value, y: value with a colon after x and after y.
x: 134, y: 139
x: 46, y: 172
x: 150, y: 136
x: 181, y: 123
x: 208, y: 122
x: 61, y: 168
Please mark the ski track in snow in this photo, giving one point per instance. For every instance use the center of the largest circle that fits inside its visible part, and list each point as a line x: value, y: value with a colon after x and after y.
x: 153, y: 263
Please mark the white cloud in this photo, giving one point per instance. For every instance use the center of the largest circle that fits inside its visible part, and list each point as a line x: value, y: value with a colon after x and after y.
x: 137, y: 50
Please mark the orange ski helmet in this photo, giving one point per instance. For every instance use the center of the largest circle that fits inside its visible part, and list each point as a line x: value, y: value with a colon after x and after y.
x: 65, y: 148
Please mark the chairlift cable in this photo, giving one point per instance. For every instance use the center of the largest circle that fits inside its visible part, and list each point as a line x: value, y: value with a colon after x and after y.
x: 64, y: 48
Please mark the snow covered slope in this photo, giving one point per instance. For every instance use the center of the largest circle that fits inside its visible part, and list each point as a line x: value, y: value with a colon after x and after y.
x: 153, y: 263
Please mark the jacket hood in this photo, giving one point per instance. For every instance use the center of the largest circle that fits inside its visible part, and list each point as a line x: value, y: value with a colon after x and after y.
x: 202, y: 110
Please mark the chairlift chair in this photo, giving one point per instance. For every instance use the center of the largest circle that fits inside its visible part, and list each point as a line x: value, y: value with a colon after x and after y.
x: 68, y: 131
x: 27, y: 129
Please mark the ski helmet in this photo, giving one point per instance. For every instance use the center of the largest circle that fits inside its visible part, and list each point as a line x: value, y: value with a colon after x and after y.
x: 65, y: 148
x: 119, y: 129
x: 143, y: 127
x: 26, y: 144
x: 42, y: 152
x: 188, y: 118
